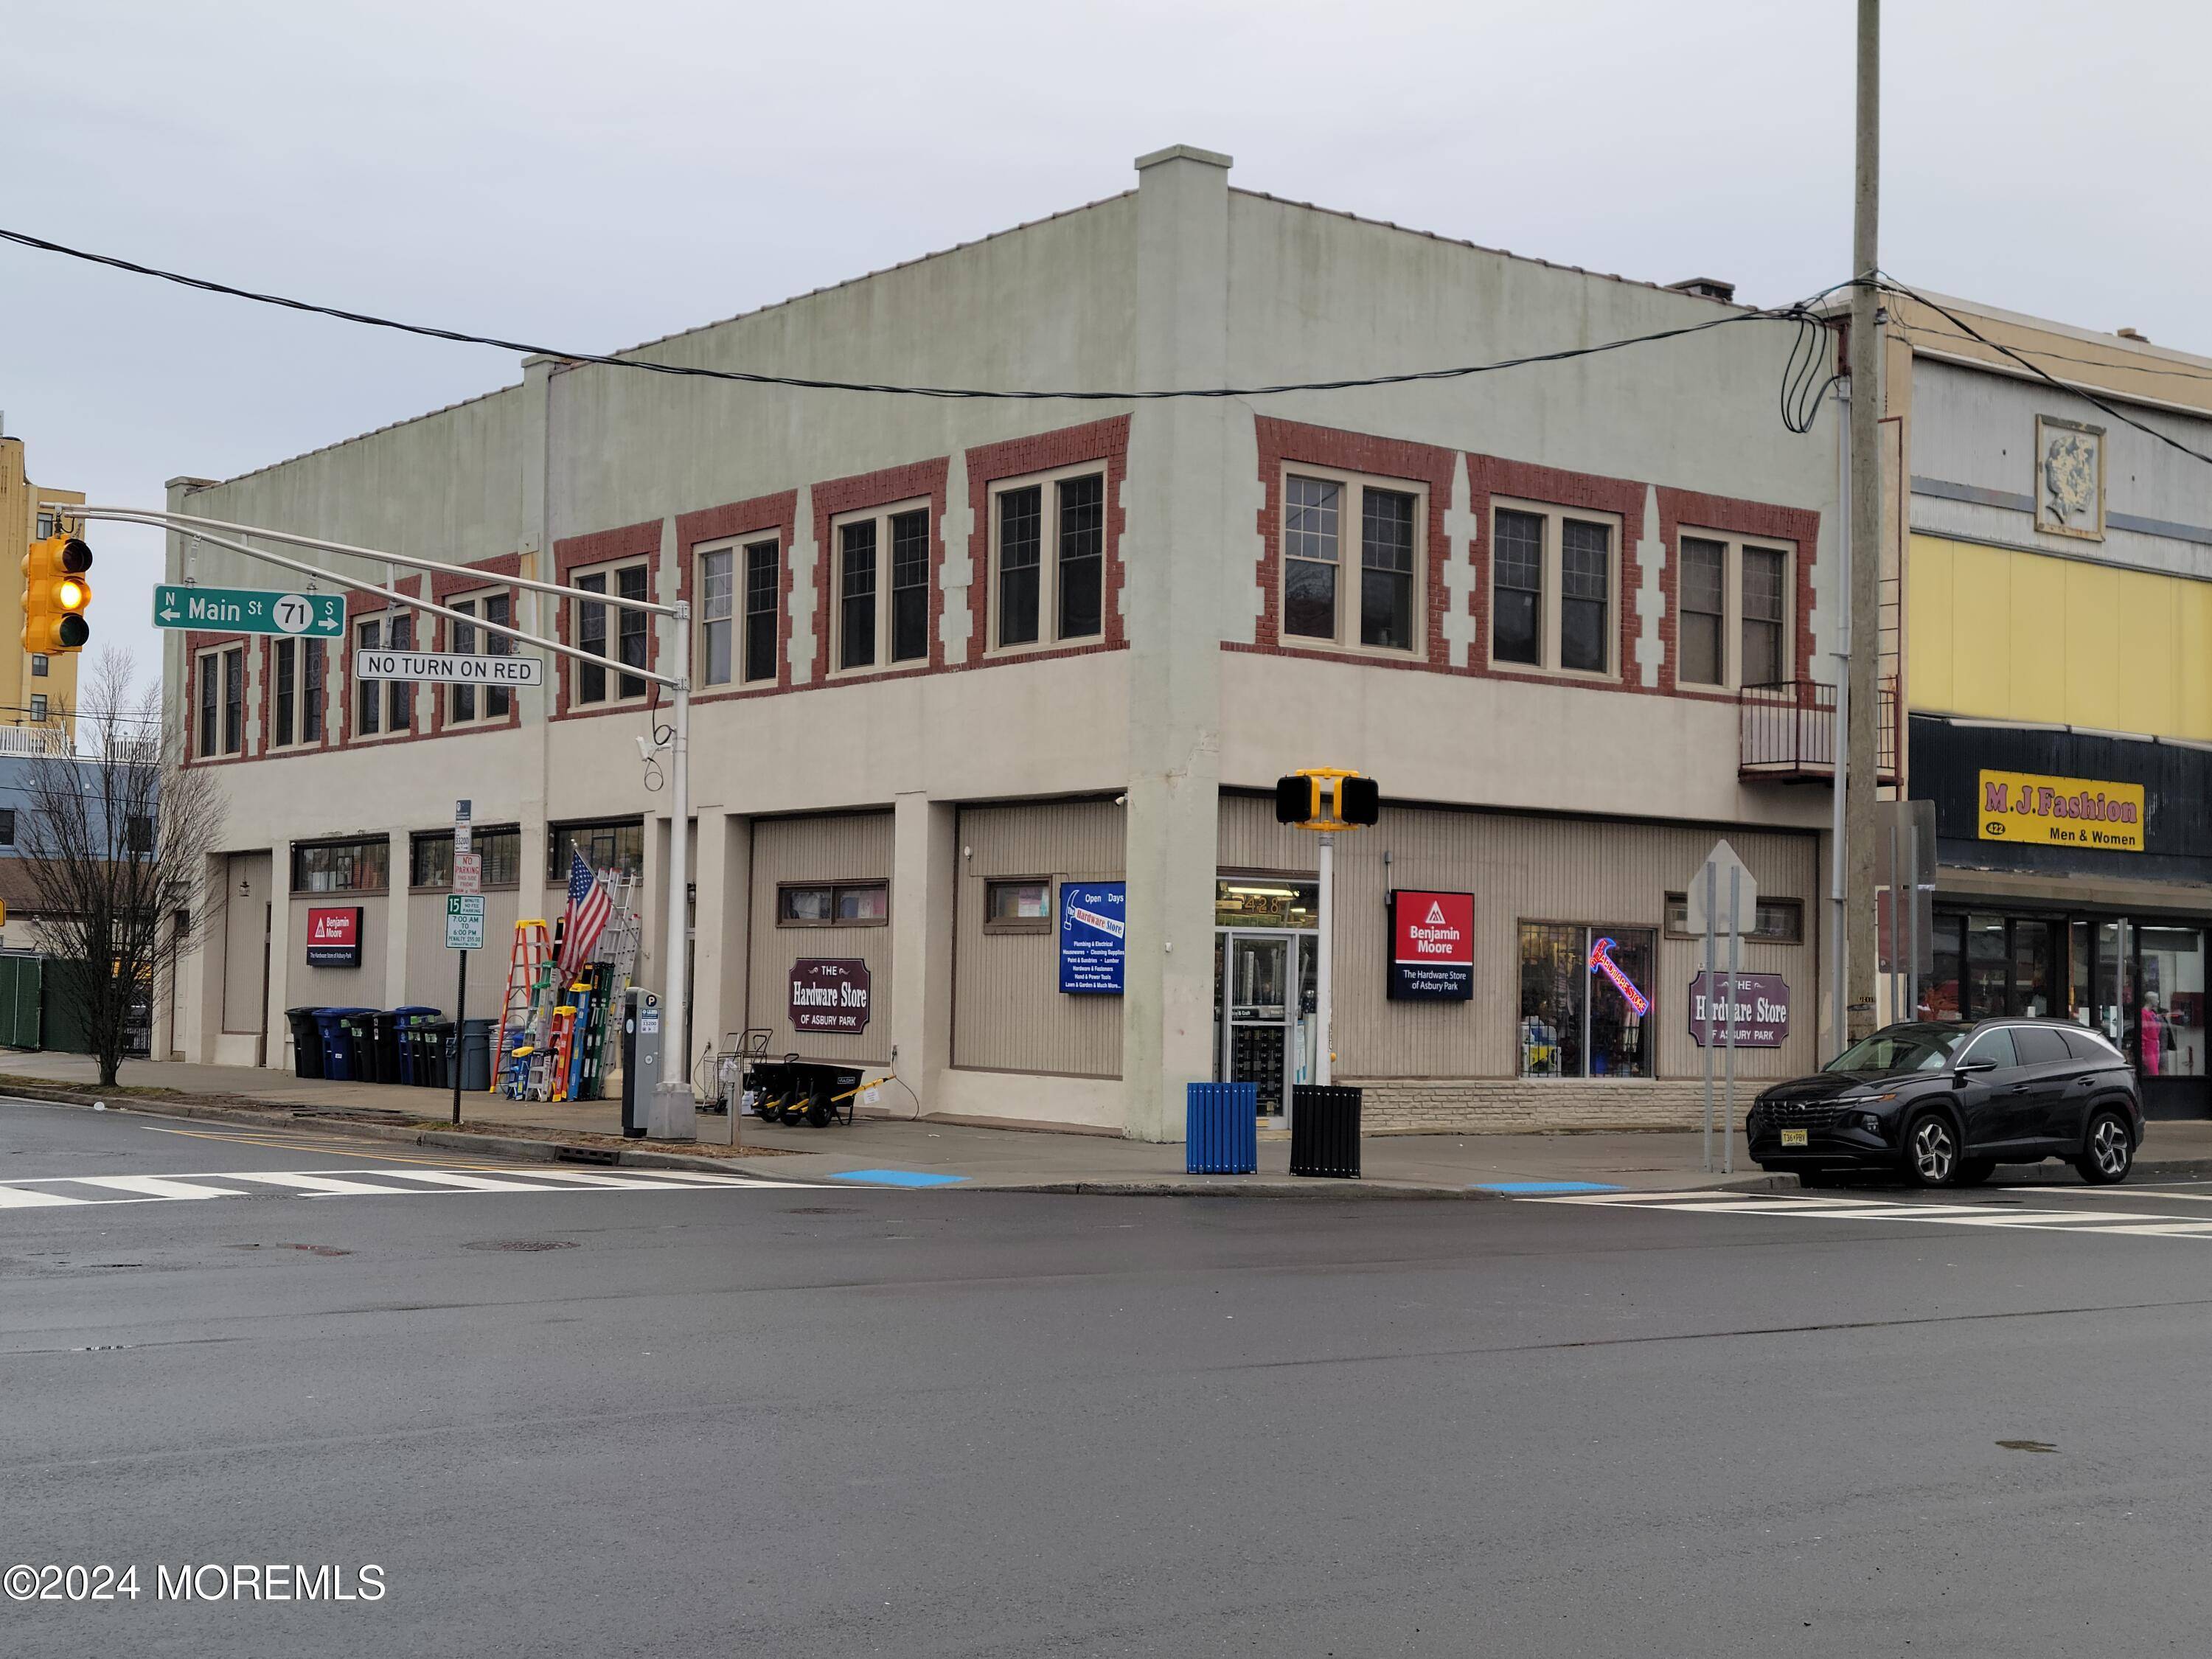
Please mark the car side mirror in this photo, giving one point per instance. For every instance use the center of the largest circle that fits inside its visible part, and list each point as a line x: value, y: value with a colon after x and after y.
x: 1973, y: 1067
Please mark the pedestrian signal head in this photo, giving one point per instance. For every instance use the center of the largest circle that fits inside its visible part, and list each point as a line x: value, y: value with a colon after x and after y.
x: 56, y: 595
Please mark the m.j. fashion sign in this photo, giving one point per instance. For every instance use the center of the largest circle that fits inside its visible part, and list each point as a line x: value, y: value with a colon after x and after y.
x: 2024, y: 806
x: 1432, y: 946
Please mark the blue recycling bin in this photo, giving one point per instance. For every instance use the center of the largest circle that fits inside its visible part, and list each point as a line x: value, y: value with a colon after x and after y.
x: 339, y: 1060
x: 1221, y: 1130
x: 403, y: 1021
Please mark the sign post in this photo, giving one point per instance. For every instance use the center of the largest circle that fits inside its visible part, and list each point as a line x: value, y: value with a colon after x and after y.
x: 464, y: 914
x: 1723, y: 873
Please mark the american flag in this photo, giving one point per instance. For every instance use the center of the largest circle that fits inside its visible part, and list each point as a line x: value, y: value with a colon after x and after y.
x: 586, y: 918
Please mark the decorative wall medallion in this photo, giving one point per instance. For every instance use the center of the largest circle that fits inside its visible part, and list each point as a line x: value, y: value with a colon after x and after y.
x: 2069, y: 478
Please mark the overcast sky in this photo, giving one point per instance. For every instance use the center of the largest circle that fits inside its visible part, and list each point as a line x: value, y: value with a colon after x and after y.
x: 591, y: 175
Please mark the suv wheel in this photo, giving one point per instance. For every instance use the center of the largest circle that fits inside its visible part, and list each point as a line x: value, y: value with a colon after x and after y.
x: 1931, y: 1150
x: 2108, y: 1152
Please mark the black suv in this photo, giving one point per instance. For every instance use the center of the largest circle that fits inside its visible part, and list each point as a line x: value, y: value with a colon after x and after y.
x: 1946, y: 1103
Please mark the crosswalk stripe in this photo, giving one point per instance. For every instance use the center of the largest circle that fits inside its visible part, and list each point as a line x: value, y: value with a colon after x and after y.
x: 474, y: 1183
x: 1837, y: 1207
x: 325, y: 1185
x: 24, y: 1197
x: 155, y: 1186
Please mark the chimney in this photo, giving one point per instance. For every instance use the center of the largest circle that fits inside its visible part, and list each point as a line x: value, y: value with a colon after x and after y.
x: 1705, y: 288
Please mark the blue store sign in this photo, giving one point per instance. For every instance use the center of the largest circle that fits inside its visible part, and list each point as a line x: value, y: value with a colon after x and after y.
x: 1091, y: 929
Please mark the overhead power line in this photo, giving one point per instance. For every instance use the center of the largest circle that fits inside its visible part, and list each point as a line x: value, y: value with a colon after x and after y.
x: 1797, y: 409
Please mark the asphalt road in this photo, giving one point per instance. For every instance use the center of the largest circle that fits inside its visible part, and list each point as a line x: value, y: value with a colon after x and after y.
x: 844, y: 1422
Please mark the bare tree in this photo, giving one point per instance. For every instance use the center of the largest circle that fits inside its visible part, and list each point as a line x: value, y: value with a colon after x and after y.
x: 117, y: 850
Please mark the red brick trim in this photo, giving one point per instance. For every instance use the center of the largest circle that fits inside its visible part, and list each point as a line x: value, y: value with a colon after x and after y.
x: 575, y: 553
x: 1289, y: 443
x: 856, y: 494
x: 360, y: 607
x: 1106, y: 440
x: 1492, y: 475
x: 776, y: 514
x: 1732, y: 517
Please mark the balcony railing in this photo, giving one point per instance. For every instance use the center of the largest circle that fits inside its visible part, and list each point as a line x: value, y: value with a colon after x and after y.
x: 1787, y: 731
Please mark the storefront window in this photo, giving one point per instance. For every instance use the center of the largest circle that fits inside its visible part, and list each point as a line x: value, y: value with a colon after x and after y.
x: 1939, y: 992
x: 1266, y: 901
x: 2034, y: 969
x: 2077, y: 982
x: 2115, y: 989
x: 2170, y: 1015
x: 1576, y: 1021
x: 1987, y: 967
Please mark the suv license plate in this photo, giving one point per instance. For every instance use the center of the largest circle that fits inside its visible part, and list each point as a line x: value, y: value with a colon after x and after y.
x: 1793, y: 1137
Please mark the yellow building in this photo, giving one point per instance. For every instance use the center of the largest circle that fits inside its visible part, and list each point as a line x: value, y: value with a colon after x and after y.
x: 34, y: 690
x: 2048, y: 588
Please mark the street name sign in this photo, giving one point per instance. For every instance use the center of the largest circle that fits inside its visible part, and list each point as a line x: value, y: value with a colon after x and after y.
x: 465, y: 922
x: 250, y: 610
x: 447, y: 667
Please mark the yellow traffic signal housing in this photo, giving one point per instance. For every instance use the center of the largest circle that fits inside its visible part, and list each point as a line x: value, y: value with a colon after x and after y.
x: 55, y: 596
x: 1326, y: 798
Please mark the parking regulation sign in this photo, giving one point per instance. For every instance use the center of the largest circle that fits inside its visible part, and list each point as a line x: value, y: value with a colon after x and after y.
x: 465, y: 922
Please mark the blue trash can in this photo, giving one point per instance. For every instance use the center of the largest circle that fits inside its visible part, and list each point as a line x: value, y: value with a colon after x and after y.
x: 404, y: 1020
x: 338, y: 1057
x: 1222, y: 1133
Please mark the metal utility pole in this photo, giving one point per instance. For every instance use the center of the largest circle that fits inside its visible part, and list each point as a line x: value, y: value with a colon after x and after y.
x: 1866, y: 518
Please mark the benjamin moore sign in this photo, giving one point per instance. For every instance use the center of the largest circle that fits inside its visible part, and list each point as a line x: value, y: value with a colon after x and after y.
x: 2024, y: 806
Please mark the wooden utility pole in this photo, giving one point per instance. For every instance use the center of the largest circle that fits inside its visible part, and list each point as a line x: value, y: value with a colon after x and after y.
x: 1866, y: 711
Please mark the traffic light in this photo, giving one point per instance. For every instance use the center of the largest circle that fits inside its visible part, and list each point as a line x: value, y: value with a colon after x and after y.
x: 1358, y: 800
x: 55, y: 595
x: 1298, y: 799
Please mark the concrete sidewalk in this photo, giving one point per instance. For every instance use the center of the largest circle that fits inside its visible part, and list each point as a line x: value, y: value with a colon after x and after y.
x: 926, y: 1151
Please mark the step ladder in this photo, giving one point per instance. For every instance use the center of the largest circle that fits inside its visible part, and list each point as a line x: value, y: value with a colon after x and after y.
x: 533, y: 954
x: 616, y: 961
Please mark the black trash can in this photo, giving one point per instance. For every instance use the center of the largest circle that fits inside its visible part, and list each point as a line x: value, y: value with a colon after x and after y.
x: 1325, y: 1132
x: 381, y: 1053
x: 307, y: 1043
x: 476, y: 1054
x: 433, y: 1060
x: 405, y: 1044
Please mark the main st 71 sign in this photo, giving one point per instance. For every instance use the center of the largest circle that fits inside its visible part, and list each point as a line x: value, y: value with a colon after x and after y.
x: 249, y: 611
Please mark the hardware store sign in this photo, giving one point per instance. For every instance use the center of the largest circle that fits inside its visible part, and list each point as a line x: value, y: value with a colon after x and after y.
x: 1093, y: 937
x: 830, y: 995
x: 1762, y: 1010
x: 2061, y: 812
x: 1432, y: 946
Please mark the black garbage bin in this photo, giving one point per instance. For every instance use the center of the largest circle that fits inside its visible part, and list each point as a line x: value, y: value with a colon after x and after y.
x: 1325, y: 1132
x: 359, y: 1025
x: 307, y: 1043
x: 435, y: 1058
x: 476, y: 1054
x: 405, y: 1044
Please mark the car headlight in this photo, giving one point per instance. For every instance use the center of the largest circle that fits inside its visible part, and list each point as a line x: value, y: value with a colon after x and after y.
x: 1870, y: 1121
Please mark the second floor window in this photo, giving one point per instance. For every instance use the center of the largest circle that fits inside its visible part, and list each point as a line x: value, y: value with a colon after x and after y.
x: 296, y: 706
x: 488, y: 703
x: 763, y: 587
x: 7, y: 826
x: 1375, y: 608
x: 1735, y: 627
x: 738, y: 593
x: 1049, y: 553
x: 882, y: 589
x: 39, y: 668
x: 614, y: 631
x: 342, y: 867
x: 1553, y: 582
x: 38, y: 708
x: 385, y: 705
x: 222, y: 709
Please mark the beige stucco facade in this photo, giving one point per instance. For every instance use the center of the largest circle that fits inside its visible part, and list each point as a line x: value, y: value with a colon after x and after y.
x: 1127, y: 754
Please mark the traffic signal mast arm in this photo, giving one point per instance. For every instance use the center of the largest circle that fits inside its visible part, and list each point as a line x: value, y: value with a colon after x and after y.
x: 178, y: 521
x: 674, y: 1104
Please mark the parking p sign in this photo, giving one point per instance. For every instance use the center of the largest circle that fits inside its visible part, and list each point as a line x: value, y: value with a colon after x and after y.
x: 465, y: 919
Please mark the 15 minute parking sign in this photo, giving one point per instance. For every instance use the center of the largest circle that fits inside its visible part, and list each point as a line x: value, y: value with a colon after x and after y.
x: 465, y: 922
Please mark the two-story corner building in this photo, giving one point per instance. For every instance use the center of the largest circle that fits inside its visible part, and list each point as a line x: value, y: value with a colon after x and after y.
x: 2057, y: 632
x: 35, y: 689
x: 967, y: 666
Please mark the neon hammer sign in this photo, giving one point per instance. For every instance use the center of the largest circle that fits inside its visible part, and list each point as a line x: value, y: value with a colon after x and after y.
x: 1602, y: 962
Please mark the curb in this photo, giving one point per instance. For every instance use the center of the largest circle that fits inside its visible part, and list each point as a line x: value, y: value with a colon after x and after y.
x: 514, y: 1146
x: 1311, y: 1187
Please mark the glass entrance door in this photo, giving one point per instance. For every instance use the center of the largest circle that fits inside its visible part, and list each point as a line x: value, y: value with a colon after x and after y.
x: 1261, y: 1009
x: 2165, y: 1020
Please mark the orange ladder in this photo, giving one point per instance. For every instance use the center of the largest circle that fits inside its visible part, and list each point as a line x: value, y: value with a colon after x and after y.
x: 534, y: 952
